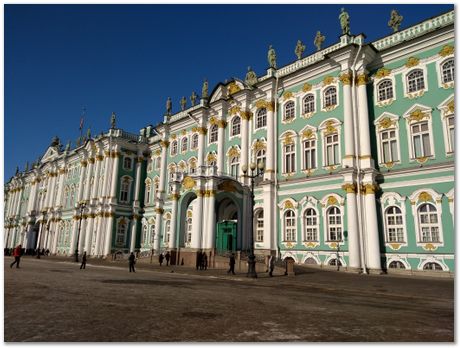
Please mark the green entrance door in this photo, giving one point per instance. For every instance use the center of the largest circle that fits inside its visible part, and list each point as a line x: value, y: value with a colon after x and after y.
x: 226, y: 237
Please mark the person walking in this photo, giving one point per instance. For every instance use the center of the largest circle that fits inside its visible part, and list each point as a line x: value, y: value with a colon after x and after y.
x: 167, y: 257
x: 161, y: 259
x: 271, y: 265
x: 198, y: 260
x: 132, y: 261
x: 232, y: 264
x: 205, y: 261
x: 83, y: 261
x: 17, y: 256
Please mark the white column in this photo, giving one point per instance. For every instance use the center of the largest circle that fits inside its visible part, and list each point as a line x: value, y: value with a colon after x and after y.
x: 138, y: 181
x: 158, y: 228
x: 113, y: 188
x: 108, y: 236
x: 245, y: 116
x: 268, y: 206
x: 60, y: 188
x: 132, y: 244
x: 201, y: 145
x: 372, y: 232
x: 89, y: 234
x: 56, y: 234
x: 348, y: 160
x: 363, y: 117
x: 220, y: 147
x: 99, y: 229
x: 99, y: 160
x: 173, y: 231
x: 107, y: 170
x: 51, y: 202
x: 197, y: 220
x: 82, y: 179
x: 352, y: 226
x: 271, y: 143
x: 211, y: 220
x: 89, y: 172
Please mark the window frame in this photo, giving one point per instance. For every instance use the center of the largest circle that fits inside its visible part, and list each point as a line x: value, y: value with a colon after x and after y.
x: 289, y: 230
x: 213, y: 134
x: 292, y: 111
x: 307, y: 226
x: 235, y: 125
x: 313, y: 102
x: 329, y: 225
x: 260, y: 121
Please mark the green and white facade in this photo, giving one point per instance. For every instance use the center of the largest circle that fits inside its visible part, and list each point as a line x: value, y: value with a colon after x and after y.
x: 358, y: 145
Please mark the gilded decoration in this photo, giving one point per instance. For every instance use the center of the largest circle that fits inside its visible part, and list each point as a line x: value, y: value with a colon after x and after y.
x: 233, y: 88
x: 164, y: 143
x: 288, y: 95
x: 221, y: 124
x: 382, y: 72
x: 417, y: 115
x: 330, y: 128
x: 361, y: 79
x: 288, y: 205
x: 429, y: 247
x: 289, y: 245
x: 233, y: 152
x: 173, y: 136
x: 349, y: 188
x: 451, y: 106
x: 310, y: 244
x: 188, y: 183
x: 328, y: 80
x: 246, y: 115
x: 84, y: 163
x: 307, y: 87
x: 212, y: 121
x: 307, y: 134
x: 259, y: 145
x: 369, y: 189
x: 333, y: 245
x: 386, y: 122
x: 412, y: 61
x: 182, y: 165
x: 189, y: 214
x: 202, y: 130
x: 227, y: 186
x: 159, y: 211
x: 345, y: 78
x: 183, y: 132
x: 194, y: 129
x: 288, y: 139
x: 447, y: 50
x: 422, y: 159
x: 395, y: 246
x: 331, y: 200
x: 175, y: 196
x: 424, y: 197
x: 389, y: 164
x: 260, y: 104
x: 211, y: 157
x: 234, y: 110
x: 157, y: 153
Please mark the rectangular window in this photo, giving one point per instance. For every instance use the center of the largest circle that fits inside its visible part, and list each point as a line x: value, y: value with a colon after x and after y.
x: 309, y: 154
x: 332, y: 149
x: 451, y: 134
x: 421, y: 140
x: 289, y: 158
x: 389, y: 146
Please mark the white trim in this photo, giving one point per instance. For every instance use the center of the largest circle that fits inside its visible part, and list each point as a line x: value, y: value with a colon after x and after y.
x: 423, y: 181
x: 376, y: 84
x: 409, y: 124
x: 322, y: 100
x: 440, y: 62
x: 406, y: 71
x: 393, y: 199
x: 283, y: 111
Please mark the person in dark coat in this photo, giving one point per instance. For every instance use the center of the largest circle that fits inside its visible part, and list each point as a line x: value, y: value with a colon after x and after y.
x: 205, y: 261
x: 198, y: 260
x: 17, y: 256
x: 132, y: 261
x: 232, y: 264
x: 161, y: 259
x: 271, y: 265
x: 167, y: 257
x: 83, y: 261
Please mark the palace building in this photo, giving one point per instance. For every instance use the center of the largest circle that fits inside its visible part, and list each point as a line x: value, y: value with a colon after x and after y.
x: 357, y: 145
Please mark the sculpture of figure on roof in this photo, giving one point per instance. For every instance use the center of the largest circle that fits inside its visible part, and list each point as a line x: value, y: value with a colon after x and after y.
x: 183, y: 103
x: 204, y: 90
x: 251, y: 77
x: 344, y: 22
x: 395, y: 20
x: 112, y: 121
x: 299, y: 49
x: 88, y: 133
x: 271, y: 56
x: 319, y: 39
x: 193, y: 98
x: 168, y: 106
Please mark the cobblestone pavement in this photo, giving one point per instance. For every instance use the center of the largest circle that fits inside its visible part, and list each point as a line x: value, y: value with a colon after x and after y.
x: 52, y: 300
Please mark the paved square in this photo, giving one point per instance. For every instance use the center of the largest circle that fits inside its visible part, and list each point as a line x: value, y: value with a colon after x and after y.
x: 53, y: 300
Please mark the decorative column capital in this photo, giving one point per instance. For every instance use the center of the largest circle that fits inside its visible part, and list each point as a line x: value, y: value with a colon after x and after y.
x: 369, y: 189
x: 159, y: 211
x: 221, y: 124
x: 346, y: 78
x: 202, y: 130
x: 246, y: 115
x: 164, y: 143
x: 349, y: 188
x: 175, y: 196
x: 361, y: 79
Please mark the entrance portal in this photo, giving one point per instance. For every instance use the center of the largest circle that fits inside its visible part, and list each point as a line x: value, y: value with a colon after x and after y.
x: 226, y: 237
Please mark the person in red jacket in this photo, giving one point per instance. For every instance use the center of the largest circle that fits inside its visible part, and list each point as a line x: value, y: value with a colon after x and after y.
x: 17, y: 256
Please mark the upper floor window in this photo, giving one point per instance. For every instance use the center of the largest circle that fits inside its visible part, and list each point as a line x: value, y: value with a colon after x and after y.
x: 157, y: 163
x: 213, y: 134
x: 261, y: 157
x: 148, y: 190
x: 311, y: 225
x: 415, y: 81
x: 236, y: 125
x: 121, y: 233
x: 309, y: 104
x: 421, y: 139
x: 289, y: 158
x: 389, y: 143
x: 428, y: 221
x: 289, y: 226
x: 450, y: 124
x: 125, y: 190
x: 332, y: 149
x: 334, y: 224
x: 394, y: 225
x: 330, y: 97
x: 188, y: 236
x: 309, y: 153
x: 167, y: 231
x: 289, y: 111
x: 259, y: 226
x: 235, y: 166
x: 385, y: 90
x: 174, y: 148
x: 448, y: 71
x: 184, y: 144
x: 194, y: 141
x: 261, y: 118
x: 127, y: 163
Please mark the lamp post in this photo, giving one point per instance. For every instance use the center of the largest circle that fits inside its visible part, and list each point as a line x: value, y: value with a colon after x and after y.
x: 256, y: 171
x: 81, y: 206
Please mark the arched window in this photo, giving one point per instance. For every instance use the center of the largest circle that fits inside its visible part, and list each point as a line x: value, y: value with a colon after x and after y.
x: 121, y: 233
x: 261, y: 156
x: 156, y: 185
x: 125, y: 190
x: 184, y: 144
x: 152, y: 233
x: 235, y: 166
x: 259, y: 225
x: 309, y: 104
x: 334, y: 224
x: 448, y: 71
x: 167, y: 231
x: 189, y: 226
x: 395, y: 228
x: 261, y: 118
x: 127, y: 163
x: 289, y: 226
x: 148, y: 190
x: 289, y: 158
x: 385, y: 90
x: 428, y: 221
x: 213, y: 134
x: 311, y: 225
x: 194, y: 141
x: 174, y: 148
x: 236, y: 125
x: 415, y: 81
x: 432, y: 266
x: 289, y: 111
x: 396, y: 265
x: 157, y: 163
x: 330, y: 97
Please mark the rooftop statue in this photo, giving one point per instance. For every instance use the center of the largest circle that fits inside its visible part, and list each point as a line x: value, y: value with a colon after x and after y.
x: 112, y: 121
x: 319, y: 39
x: 67, y: 147
x: 168, y: 106
x: 55, y: 141
x: 183, y: 103
x: 204, y: 90
x: 193, y: 98
x: 395, y: 20
x: 271, y: 56
x: 17, y: 170
x: 251, y: 77
x: 27, y: 166
x: 88, y: 133
x: 299, y: 49
x: 344, y: 22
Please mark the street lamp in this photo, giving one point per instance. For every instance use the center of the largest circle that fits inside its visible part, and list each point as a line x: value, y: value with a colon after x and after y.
x: 256, y: 171
x: 81, y: 206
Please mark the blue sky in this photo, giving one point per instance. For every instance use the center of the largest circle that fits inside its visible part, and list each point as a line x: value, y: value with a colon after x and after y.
x: 130, y: 58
